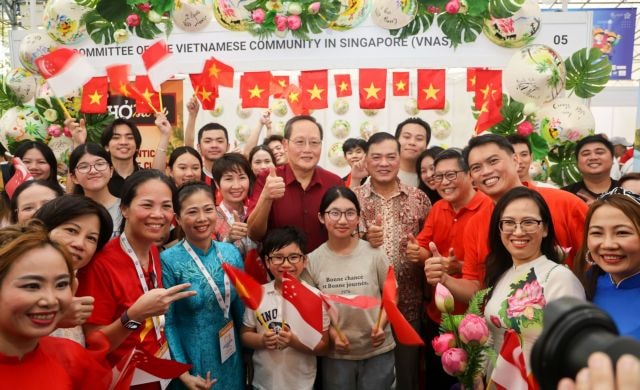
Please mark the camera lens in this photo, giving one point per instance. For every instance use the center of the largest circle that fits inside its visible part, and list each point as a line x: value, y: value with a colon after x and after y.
x: 572, y: 330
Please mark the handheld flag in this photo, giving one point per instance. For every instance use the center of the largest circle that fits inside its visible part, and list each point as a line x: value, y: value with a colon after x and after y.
x: 248, y: 289
x: 157, y: 62
x: 65, y: 70
x: 510, y: 371
x: 304, y: 311
x: 20, y: 176
x: 402, y: 328
x: 94, y: 96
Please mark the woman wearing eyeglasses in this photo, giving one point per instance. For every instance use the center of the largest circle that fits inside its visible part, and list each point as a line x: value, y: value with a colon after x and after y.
x: 608, y: 263
x: 523, y: 269
x: 362, y: 353
x: 90, y: 170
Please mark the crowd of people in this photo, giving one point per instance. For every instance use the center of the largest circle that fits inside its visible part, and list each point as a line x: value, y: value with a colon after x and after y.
x: 122, y: 258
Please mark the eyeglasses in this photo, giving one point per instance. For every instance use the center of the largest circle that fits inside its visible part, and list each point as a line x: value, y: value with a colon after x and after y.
x: 449, y: 175
x: 293, y: 258
x: 620, y: 191
x: 509, y: 226
x: 335, y: 214
x: 301, y: 142
x: 99, y: 166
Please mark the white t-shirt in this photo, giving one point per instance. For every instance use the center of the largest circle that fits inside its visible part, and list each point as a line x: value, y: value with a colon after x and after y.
x: 279, y: 369
x: 408, y: 178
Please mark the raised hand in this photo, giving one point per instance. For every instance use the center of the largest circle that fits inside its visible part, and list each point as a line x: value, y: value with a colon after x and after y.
x: 358, y: 172
x: 163, y: 123
x: 413, y: 249
x: 78, y: 131
x: 238, y: 228
x: 156, y: 302
x: 273, y: 186
x: 435, y: 267
x: 77, y: 313
x: 375, y: 234
x: 193, y: 106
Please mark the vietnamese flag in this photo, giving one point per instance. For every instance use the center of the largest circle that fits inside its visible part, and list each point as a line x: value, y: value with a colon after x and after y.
x: 314, y: 87
x: 400, y: 83
x: 255, y: 267
x: 471, y: 79
x: 248, y: 289
x: 303, y: 309
x: 94, y: 96
x: 488, y: 82
x: 119, y: 80
x: 145, y: 94
x: 157, y: 61
x: 372, y: 86
x: 139, y: 367
x: 489, y: 114
x: 343, y: 85
x: 431, y: 89
x: 65, y: 70
x: 218, y: 72
x: 254, y: 89
x: 404, y: 332
x: 20, y: 175
x: 293, y: 94
x: 206, y: 93
x: 278, y: 85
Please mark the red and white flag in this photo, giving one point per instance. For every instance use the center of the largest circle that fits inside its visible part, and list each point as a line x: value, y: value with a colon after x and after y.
x: 510, y: 372
x: 302, y: 311
x: 359, y: 301
x: 139, y: 367
x: 65, y: 70
x: 21, y: 175
x: 157, y: 62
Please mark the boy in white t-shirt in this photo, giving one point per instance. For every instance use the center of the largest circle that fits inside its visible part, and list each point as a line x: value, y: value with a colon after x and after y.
x: 280, y: 360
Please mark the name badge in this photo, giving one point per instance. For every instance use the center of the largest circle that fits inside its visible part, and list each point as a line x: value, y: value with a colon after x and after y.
x: 227, y: 342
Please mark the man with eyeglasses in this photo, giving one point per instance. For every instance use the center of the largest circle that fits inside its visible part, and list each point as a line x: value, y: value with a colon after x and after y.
x: 399, y: 210
x: 290, y: 194
x: 493, y: 167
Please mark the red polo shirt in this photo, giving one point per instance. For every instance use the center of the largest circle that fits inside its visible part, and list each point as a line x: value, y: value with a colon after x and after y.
x: 445, y: 228
x: 298, y: 207
x: 568, y: 213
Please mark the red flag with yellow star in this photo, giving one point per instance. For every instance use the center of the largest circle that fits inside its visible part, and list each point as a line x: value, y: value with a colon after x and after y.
x: 489, y: 113
x: 278, y: 85
x: 205, y: 92
x: 372, y: 88
x: 488, y: 82
x: 314, y: 85
x: 293, y: 94
x: 343, y: 85
x: 218, y: 72
x: 471, y: 79
x: 400, y: 83
x: 431, y: 89
x: 254, y: 89
x: 145, y: 95
x: 119, y: 80
x: 94, y: 96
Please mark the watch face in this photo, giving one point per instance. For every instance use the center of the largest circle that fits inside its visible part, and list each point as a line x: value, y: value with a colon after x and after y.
x: 133, y: 325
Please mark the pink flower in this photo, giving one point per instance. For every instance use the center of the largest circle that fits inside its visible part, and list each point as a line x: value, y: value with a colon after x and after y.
x: 473, y: 330
x: 133, y: 20
x: 444, y: 299
x: 525, y: 128
x: 67, y: 132
x: 294, y: 22
x: 433, y: 9
x: 281, y: 22
x: 443, y: 343
x: 573, y: 135
x: 452, y: 7
x: 144, y: 7
x: 258, y: 16
x: 526, y: 300
x: 54, y: 130
x: 454, y: 361
x: 495, y: 321
x: 314, y: 8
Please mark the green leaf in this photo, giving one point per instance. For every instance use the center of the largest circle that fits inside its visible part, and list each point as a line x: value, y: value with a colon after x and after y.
x: 146, y: 29
x: 539, y: 146
x: 460, y: 28
x: 87, y: 3
x: 504, y: 8
x: 113, y: 10
x: 99, y: 29
x: 95, y: 124
x: 421, y: 23
x: 565, y: 170
x: 8, y: 98
x: 588, y: 71
x: 162, y: 6
x: 477, y: 7
x: 477, y: 302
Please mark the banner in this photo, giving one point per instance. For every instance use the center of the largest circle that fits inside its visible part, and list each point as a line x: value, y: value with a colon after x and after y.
x: 613, y: 33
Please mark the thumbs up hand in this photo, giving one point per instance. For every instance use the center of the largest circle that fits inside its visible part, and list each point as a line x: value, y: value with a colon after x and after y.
x: 273, y: 186
x: 238, y: 228
x: 434, y: 267
x: 413, y: 249
x: 375, y: 234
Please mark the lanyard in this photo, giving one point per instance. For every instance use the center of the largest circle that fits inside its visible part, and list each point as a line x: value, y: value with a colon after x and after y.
x: 158, y: 322
x: 225, y: 304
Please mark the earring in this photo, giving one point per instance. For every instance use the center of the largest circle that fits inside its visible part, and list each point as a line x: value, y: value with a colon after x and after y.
x: 588, y: 258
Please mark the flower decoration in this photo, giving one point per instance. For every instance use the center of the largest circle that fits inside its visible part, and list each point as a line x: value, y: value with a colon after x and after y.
x: 462, y: 344
x: 273, y: 17
x: 524, y: 306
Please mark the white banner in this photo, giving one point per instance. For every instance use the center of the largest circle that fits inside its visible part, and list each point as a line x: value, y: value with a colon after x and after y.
x: 366, y: 46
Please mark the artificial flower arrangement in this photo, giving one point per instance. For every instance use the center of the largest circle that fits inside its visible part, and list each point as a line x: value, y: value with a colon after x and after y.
x: 463, y: 340
x: 274, y: 17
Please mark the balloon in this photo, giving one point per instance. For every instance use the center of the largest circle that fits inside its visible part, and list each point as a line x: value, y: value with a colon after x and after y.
x: 336, y: 156
x: 352, y: 13
x: 22, y: 83
x: 446, y: 108
x: 62, y: 21
x: 243, y: 113
x: 279, y: 107
x: 535, y: 74
x: 242, y: 132
x: 20, y: 124
x: 370, y: 112
x: 367, y: 129
x: 232, y: 15
x: 33, y: 46
x: 341, y: 106
x: 394, y: 14
x: 518, y: 30
x: 218, y: 110
x: 564, y: 120
x: 61, y: 147
x: 341, y: 129
x: 411, y: 106
x: 441, y: 129
x: 192, y: 15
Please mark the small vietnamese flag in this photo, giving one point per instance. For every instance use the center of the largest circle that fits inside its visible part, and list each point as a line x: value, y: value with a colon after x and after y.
x: 248, y: 289
x: 303, y: 311
x: 400, y: 83
x: 205, y: 92
x: 431, y: 89
x: 402, y: 329
x: 278, y: 85
x: 147, y: 95
x: 20, y: 175
x: 157, y: 61
x: 314, y: 85
x: 119, y: 80
x: 489, y: 114
x: 372, y: 88
x: 254, y: 89
x: 218, y: 72
x: 488, y: 82
x: 343, y: 85
x: 94, y: 96
x: 293, y: 94
x: 471, y: 79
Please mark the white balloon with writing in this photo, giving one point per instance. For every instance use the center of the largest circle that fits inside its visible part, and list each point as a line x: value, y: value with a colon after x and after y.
x: 62, y: 21
x: 33, y: 46
x: 564, y: 120
x: 192, y: 15
x: 22, y: 83
x: 393, y: 14
x: 518, y: 30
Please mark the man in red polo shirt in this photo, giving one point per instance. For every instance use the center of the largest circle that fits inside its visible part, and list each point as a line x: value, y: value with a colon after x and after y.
x: 493, y: 167
x: 290, y: 194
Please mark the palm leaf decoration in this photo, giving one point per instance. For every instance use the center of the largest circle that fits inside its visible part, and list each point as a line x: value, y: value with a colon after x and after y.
x: 8, y: 98
x: 419, y: 24
x: 99, y: 29
x: 87, y: 3
x: 95, y: 124
x: 504, y: 8
x: 588, y: 72
x: 565, y: 170
x: 460, y: 27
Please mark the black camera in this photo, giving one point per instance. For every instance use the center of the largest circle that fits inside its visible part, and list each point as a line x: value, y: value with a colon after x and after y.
x: 572, y: 330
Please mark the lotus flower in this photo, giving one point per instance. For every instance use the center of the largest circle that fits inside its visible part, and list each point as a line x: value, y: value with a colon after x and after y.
x: 294, y: 9
x: 314, y: 8
x: 294, y: 22
x: 444, y: 299
x: 258, y: 16
x: 144, y: 7
x: 120, y: 35
x: 281, y: 22
x: 525, y: 128
x: 452, y: 7
x: 473, y: 330
x: 443, y: 343
x: 54, y: 130
x: 454, y: 361
x: 133, y: 20
x: 154, y: 17
x: 50, y: 115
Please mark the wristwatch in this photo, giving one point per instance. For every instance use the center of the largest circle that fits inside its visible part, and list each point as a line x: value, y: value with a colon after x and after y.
x: 128, y: 322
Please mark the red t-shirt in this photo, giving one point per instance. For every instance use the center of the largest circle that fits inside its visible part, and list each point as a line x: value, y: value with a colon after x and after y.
x: 445, y: 228
x: 568, y: 213
x: 112, y: 280
x: 298, y: 207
